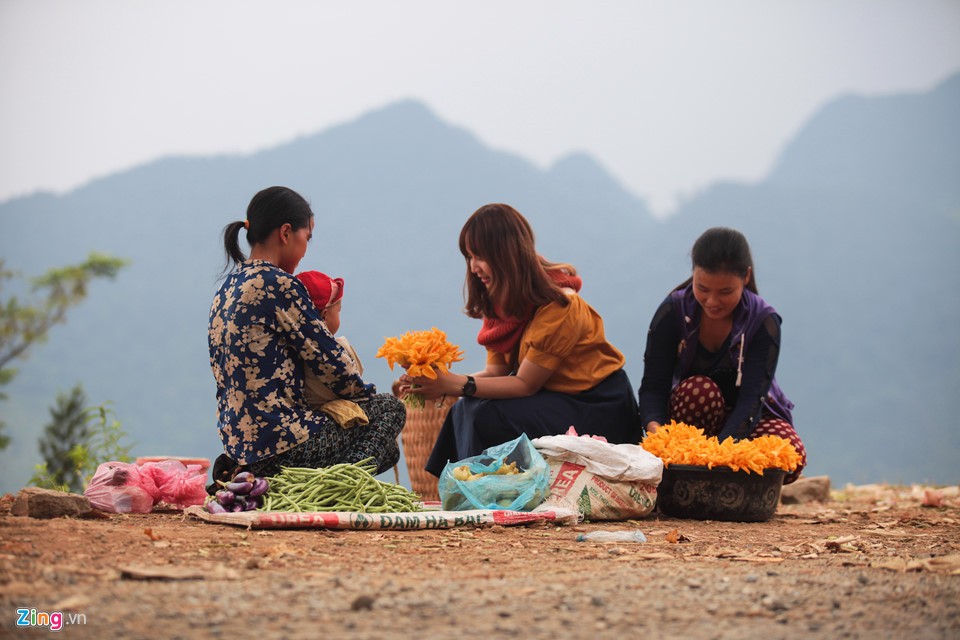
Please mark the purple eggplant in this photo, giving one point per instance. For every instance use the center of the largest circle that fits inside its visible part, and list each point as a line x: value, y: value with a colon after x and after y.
x: 239, y: 488
x: 260, y: 487
x: 225, y: 497
x: 237, y: 507
x: 244, y: 476
x: 250, y: 504
x: 214, y: 507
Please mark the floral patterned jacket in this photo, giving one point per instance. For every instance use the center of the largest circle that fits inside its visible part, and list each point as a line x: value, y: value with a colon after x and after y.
x: 263, y: 331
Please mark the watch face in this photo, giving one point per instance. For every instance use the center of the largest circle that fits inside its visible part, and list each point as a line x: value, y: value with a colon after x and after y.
x: 470, y: 386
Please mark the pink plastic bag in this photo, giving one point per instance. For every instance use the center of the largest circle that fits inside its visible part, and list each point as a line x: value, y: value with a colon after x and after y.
x: 573, y: 432
x: 122, y: 487
x: 179, y: 485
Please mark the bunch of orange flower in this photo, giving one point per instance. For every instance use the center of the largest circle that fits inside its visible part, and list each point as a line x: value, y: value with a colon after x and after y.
x: 679, y: 443
x: 421, y: 353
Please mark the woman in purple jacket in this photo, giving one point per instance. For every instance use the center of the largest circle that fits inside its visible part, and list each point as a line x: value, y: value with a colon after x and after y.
x: 712, y: 351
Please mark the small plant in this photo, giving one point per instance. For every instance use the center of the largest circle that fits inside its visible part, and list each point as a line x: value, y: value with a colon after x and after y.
x: 102, y: 443
x: 42, y: 478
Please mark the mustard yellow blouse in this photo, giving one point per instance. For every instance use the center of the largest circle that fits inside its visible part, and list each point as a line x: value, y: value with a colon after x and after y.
x: 570, y: 342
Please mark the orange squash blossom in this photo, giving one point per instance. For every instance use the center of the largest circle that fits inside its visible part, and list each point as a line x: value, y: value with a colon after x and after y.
x: 421, y: 353
x: 679, y: 443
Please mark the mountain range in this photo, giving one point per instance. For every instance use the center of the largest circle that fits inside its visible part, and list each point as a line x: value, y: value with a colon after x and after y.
x: 854, y: 231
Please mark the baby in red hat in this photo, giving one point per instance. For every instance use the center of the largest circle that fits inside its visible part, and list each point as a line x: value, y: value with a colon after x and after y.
x: 327, y: 295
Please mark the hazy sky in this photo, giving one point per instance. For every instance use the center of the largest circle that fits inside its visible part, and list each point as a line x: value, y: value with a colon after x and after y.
x: 670, y: 96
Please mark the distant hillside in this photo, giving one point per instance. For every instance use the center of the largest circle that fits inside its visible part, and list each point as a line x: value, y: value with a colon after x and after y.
x: 902, y: 147
x: 854, y: 234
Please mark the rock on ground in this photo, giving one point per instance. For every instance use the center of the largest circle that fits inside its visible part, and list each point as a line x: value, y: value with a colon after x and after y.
x: 44, y: 503
x: 806, y: 490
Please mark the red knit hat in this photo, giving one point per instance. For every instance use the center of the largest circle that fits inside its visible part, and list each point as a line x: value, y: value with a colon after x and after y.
x: 323, y: 290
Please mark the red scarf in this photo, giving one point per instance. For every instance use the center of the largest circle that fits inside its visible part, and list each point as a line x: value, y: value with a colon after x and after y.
x: 503, y: 334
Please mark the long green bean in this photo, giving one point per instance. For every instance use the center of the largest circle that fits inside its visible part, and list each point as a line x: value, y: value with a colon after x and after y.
x: 340, y: 487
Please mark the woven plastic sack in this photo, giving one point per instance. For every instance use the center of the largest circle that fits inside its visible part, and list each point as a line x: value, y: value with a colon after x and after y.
x: 522, y: 491
x: 603, y: 481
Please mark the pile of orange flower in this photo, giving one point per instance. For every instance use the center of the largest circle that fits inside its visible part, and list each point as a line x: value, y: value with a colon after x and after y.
x: 679, y: 443
x: 421, y: 353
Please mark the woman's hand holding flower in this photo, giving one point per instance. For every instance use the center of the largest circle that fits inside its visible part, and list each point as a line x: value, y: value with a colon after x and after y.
x: 445, y: 384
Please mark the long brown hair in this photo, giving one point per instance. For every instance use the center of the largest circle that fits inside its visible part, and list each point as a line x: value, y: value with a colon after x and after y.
x: 499, y: 235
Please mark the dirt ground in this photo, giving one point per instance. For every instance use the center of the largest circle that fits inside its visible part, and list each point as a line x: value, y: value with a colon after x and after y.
x: 876, y: 561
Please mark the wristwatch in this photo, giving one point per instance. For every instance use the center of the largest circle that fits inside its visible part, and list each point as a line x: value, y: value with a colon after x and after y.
x: 469, y: 387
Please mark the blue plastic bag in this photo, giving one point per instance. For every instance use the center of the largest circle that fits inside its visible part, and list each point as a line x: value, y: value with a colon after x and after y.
x: 488, y: 489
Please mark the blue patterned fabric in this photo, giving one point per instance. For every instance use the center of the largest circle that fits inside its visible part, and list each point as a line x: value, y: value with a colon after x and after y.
x: 263, y: 331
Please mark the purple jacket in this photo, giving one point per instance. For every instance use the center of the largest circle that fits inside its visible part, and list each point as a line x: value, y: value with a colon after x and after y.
x: 747, y: 319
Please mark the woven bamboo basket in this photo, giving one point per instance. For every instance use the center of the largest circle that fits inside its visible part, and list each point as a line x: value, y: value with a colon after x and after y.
x: 418, y: 437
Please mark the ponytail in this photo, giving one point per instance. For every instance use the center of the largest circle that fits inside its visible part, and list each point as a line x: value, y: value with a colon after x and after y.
x: 231, y: 246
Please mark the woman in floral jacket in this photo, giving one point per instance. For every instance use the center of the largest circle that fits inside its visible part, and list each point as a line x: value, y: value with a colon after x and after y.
x: 263, y: 331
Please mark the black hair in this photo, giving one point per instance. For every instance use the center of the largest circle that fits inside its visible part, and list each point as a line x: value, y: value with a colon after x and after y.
x: 269, y: 209
x: 721, y: 249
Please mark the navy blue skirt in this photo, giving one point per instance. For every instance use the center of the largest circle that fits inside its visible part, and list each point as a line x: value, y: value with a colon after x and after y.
x: 474, y: 424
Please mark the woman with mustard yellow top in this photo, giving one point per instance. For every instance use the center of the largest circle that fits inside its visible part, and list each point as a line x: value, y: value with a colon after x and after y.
x: 549, y: 365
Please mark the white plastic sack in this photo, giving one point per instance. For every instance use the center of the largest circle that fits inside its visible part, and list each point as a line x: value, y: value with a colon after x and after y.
x: 603, y: 481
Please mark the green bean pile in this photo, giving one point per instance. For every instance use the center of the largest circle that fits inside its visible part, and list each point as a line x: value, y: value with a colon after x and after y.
x: 341, y: 487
